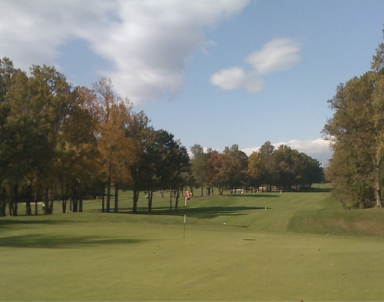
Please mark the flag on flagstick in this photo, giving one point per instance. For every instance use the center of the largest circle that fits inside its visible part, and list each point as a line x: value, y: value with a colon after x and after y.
x: 188, y: 195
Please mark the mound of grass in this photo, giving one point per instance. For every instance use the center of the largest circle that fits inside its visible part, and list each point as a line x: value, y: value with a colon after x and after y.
x: 368, y: 222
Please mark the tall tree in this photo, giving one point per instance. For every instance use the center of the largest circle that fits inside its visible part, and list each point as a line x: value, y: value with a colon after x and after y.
x: 216, y: 173
x: 140, y: 131
x: 255, y: 170
x: 166, y: 159
x: 115, y: 146
x: 236, y: 166
x: 79, y: 163
x: 116, y: 150
x: 199, y: 166
x: 39, y: 106
x: 357, y: 132
x: 7, y: 77
x: 267, y: 169
x: 287, y: 162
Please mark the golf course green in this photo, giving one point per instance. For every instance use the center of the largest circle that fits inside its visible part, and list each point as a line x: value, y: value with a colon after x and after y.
x: 242, y: 247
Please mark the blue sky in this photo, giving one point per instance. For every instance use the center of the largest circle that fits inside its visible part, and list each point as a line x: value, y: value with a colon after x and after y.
x: 214, y: 73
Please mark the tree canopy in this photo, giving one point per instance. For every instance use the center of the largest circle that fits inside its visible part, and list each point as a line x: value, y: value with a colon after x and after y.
x: 356, y: 131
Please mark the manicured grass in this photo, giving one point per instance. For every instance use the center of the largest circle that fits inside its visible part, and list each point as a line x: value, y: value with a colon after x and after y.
x: 304, y: 246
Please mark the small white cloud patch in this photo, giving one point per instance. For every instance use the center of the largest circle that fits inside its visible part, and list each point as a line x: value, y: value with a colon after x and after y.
x: 234, y: 78
x: 274, y: 56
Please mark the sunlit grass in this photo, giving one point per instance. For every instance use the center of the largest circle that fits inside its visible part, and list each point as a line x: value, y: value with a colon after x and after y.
x: 289, y: 246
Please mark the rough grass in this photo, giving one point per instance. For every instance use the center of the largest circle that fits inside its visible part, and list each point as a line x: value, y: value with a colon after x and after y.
x: 304, y: 246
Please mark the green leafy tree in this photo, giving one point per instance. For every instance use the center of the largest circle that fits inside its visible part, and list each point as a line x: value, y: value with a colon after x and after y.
x: 267, y: 169
x: 255, y: 170
x: 216, y: 173
x: 357, y: 132
x: 40, y: 104
x: 178, y: 164
x: 78, y: 163
x: 140, y: 131
x: 199, y: 167
x: 236, y: 165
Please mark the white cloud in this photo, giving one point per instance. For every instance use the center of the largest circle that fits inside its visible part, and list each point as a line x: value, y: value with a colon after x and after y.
x: 31, y: 31
x: 147, y: 42
x: 276, y: 55
x: 317, y: 148
x: 234, y: 78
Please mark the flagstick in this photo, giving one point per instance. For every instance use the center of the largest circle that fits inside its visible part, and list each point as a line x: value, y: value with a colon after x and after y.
x: 185, y: 215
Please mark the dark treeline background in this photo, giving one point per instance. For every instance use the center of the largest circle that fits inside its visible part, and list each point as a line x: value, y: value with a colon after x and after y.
x: 65, y: 143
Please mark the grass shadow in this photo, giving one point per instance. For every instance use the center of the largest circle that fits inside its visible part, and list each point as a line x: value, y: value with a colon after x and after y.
x: 8, y: 222
x: 205, y: 212
x: 256, y: 195
x: 314, y: 190
x: 212, y: 212
x: 60, y: 242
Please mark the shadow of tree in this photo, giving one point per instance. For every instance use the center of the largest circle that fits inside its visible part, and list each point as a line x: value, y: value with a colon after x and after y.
x: 10, y: 222
x: 255, y: 195
x: 56, y: 242
x: 212, y: 212
x: 314, y: 190
x: 205, y: 212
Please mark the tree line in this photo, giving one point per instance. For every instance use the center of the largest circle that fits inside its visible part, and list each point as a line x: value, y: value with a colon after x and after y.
x: 63, y: 142
x: 60, y: 142
x: 271, y: 168
x: 356, y: 132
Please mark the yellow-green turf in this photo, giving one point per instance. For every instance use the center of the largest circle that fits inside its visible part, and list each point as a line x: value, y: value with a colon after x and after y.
x: 304, y: 246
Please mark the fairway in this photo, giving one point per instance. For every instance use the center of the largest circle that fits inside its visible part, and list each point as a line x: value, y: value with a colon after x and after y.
x: 250, y: 247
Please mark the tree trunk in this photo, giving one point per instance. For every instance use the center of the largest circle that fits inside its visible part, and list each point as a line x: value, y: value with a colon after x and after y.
x: 170, y: 200
x: 46, y: 201
x: 36, y: 197
x: 3, y: 208
x: 14, y: 203
x: 150, y: 194
x: 116, y: 197
x: 75, y: 201
x: 74, y: 204
x: 80, y: 199
x: 3, y: 203
x: 64, y: 191
x: 378, y: 187
x: 53, y: 189
x: 135, y: 200
x: 103, y: 199
x: 220, y: 191
x: 177, y: 199
x: 108, y: 195
x: 109, y: 184
x: 28, y: 210
x: 10, y: 206
x: 64, y: 205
